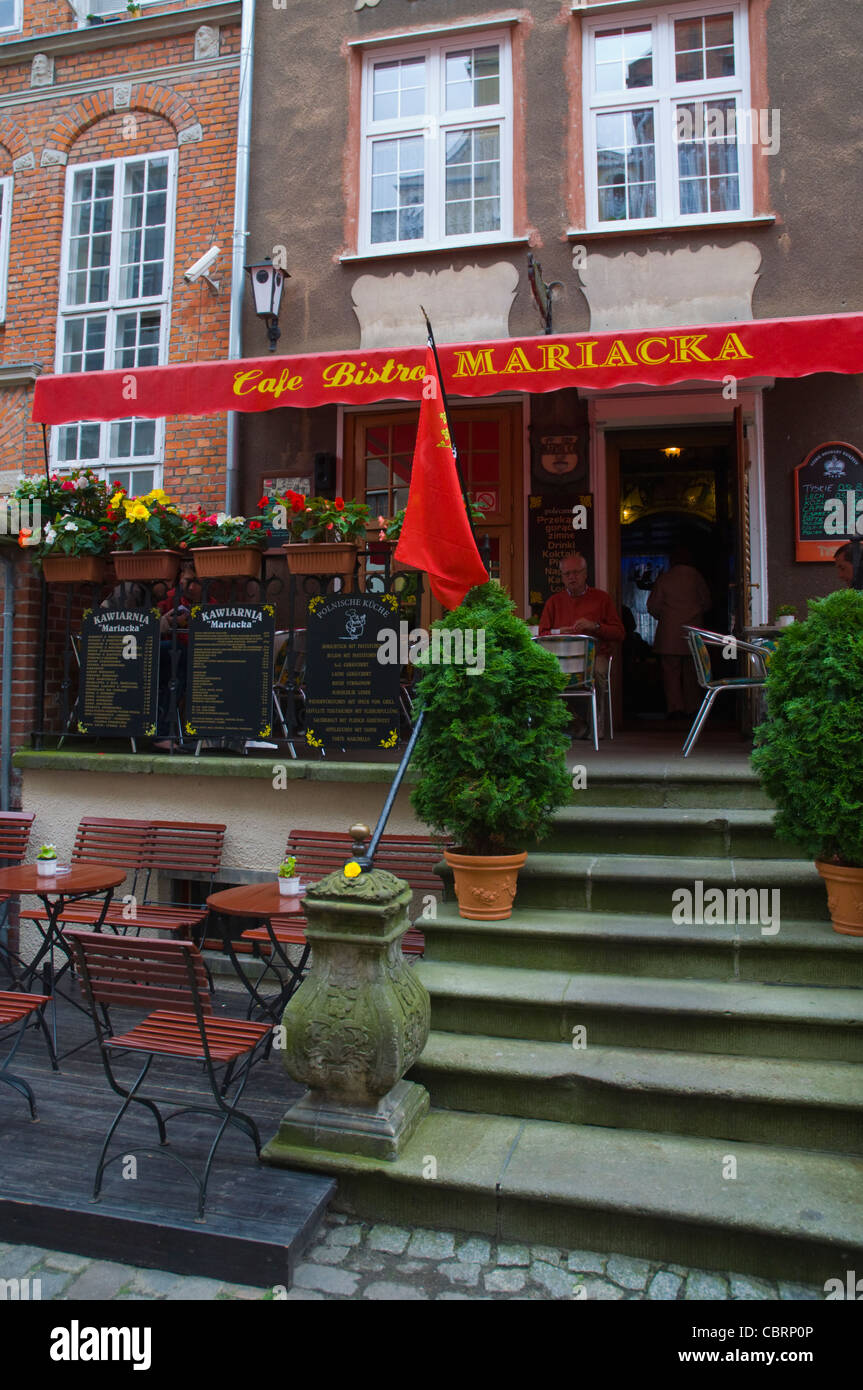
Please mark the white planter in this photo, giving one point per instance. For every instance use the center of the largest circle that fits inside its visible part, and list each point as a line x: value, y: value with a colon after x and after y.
x: 289, y: 887
x: 786, y: 620
x: 46, y: 868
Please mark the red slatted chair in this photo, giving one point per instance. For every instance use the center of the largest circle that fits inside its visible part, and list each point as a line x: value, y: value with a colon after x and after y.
x: 14, y: 833
x: 18, y: 1008
x: 169, y: 979
x: 106, y: 840
x: 320, y: 852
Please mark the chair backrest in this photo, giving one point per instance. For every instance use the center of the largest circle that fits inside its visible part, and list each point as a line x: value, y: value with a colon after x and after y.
x: 111, y: 840
x: 576, y: 656
x: 696, y: 636
x: 411, y: 857
x: 144, y: 973
x: 183, y: 847
x: 14, y: 833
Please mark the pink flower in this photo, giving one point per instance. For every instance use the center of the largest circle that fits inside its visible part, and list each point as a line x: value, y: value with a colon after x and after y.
x: 67, y: 486
x: 212, y: 520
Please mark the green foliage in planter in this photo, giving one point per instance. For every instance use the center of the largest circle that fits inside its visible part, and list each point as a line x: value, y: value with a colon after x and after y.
x: 492, y: 752
x: 809, y: 752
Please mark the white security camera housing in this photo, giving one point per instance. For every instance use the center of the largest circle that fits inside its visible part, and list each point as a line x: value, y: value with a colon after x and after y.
x: 201, y: 266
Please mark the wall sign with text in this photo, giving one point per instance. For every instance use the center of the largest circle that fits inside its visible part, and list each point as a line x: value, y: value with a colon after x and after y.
x: 828, y: 501
x: 352, y: 696
x: 119, y: 672
x: 557, y: 525
x: 230, y: 677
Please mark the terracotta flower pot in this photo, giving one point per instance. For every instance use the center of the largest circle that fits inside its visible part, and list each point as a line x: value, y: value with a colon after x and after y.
x: 485, y: 885
x: 844, y: 897
x: 74, y: 569
x: 227, y: 561
x: 146, y: 564
x: 321, y: 557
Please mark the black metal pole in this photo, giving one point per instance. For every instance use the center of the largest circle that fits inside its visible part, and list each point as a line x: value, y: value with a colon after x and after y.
x: 47, y: 468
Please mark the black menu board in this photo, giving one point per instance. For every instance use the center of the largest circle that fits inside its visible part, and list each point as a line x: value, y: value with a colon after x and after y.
x: 832, y: 473
x: 230, y: 672
x: 557, y: 524
x: 351, y: 696
x: 119, y: 683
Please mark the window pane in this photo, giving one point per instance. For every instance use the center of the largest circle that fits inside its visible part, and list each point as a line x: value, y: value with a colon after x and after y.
x: 623, y: 58
x: 473, y: 78
x: 626, y: 165
x: 398, y: 89
x: 7, y: 14
x: 142, y: 257
x: 398, y: 181
x: 87, y: 281
x: 472, y: 184
x: 704, y: 47
x: 707, y: 159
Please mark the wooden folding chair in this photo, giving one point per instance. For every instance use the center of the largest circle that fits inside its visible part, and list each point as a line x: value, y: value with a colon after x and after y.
x: 14, y: 833
x: 169, y: 975
x: 17, y: 1008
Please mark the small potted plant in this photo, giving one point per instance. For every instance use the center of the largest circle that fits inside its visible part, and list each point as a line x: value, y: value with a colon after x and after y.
x: 289, y: 882
x: 148, y: 531
x: 809, y: 754
x: 491, y: 757
x: 786, y: 614
x: 224, y: 546
x: 135, y: 9
x: 46, y: 861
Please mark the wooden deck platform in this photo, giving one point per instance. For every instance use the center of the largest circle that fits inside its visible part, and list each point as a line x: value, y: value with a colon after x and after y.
x: 258, y: 1219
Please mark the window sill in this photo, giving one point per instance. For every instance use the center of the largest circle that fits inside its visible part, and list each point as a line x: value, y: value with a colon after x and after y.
x: 665, y: 228
x: 354, y: 257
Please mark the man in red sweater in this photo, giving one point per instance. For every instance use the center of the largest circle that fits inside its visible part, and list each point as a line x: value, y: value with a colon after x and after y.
x: 578, y: 609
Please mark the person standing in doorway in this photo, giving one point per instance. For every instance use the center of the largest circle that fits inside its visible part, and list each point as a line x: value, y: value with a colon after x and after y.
x: 679, y: 598
x: 583, y: 611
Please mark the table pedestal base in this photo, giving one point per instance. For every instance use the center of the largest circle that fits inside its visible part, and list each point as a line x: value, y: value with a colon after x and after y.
x: 376, y: 1131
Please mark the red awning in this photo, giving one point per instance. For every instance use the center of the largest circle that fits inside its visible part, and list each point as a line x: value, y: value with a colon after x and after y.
x: 657, y: 357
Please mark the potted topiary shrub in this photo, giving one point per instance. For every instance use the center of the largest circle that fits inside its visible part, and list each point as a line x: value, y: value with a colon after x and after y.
x: 786, y: 614
x: 809, y: 752
x: 491, y: 755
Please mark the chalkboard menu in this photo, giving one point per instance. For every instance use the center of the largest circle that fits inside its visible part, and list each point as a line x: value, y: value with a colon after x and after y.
x: 351, y: 696
x: 230, y: 672
x: 557, y: 525
x: 119, y: 683
x: 827, y: 487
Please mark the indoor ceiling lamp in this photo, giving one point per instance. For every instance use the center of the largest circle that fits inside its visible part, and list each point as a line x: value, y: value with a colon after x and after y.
x: 267, y: 283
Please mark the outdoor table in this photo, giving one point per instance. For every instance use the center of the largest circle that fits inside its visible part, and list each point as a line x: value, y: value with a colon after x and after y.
x: 56, y: 892
x: 261, y: 901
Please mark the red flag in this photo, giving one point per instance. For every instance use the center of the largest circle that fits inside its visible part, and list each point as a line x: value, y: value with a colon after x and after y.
x: 437, y: 536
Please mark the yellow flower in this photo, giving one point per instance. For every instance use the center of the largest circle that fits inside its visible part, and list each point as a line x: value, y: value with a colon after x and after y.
x: 117, y: 499
x: 157, y: 495
x: 352, y: 870
x: 138, y: 512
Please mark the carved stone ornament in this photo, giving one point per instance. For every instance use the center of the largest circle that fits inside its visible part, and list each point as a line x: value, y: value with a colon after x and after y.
x: 41, y: 70
x: 207, y: 41
x: 122, y: 96
x: 357, y: 1024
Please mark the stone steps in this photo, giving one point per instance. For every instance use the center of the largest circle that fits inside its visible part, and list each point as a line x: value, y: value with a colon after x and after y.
x: 641, y: 883
x: 805, y: 1104
x: 735, y: 1018
x: 673, y: 784
x: 591, y: 1187
x: 666, y: 831
x: 641, y: 944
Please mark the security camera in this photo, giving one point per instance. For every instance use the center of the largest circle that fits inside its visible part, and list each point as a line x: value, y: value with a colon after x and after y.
x: 201, y: 266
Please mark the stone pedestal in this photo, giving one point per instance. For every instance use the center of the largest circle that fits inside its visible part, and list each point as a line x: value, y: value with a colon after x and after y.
x: 358, y: 1023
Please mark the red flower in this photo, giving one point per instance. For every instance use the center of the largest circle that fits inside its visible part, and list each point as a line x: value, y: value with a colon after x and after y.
x: 330, y: 525
x: 254, y: 526
x: 340, y: 504
x: 298, y: 505
x: 67, y: 486
x: 263, y: 501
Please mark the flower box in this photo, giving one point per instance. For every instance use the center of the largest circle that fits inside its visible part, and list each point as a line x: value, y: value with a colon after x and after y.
x: 321, y: 557
x: 226, y: 561
x: 149, y: 565
x: 73, y: 569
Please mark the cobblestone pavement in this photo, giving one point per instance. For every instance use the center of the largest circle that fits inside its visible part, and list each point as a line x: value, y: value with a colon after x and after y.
x: 355, y: 1260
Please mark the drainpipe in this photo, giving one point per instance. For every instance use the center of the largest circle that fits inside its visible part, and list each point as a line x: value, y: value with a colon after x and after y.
x: 238, y: 258
x: 6, y: 682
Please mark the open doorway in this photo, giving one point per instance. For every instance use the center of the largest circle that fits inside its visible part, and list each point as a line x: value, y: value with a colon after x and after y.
x: 673, y: 498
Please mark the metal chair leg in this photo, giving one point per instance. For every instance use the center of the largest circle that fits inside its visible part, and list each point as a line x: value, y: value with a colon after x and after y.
x: 595, y: 719
x: 700, y: 717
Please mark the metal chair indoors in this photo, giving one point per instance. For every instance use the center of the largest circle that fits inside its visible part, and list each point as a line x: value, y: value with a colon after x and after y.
x: 700, y: 641
x: 170, y: 975
x: 577, y: 658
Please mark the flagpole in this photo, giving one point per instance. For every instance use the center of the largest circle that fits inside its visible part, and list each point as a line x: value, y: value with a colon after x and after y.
x: 433, y: 345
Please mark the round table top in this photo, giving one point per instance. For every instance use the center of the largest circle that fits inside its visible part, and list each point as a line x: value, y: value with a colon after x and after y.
x: 80, y: 878
x: 255, y: 900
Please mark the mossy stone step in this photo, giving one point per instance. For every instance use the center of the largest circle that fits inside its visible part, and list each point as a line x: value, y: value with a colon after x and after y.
x: 817, y: 1105
x: 695, y: 1201
x: 740, y: 1019
x: 641, y: 944
x: 665, y: 830
x: 669, y: 784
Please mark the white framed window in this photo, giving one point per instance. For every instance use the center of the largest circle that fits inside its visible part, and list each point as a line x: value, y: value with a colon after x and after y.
x: 5, y: 224
x: 667, y: 123
x: 437, y: 144
x: 115, y: 284
x: 10, y: 16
